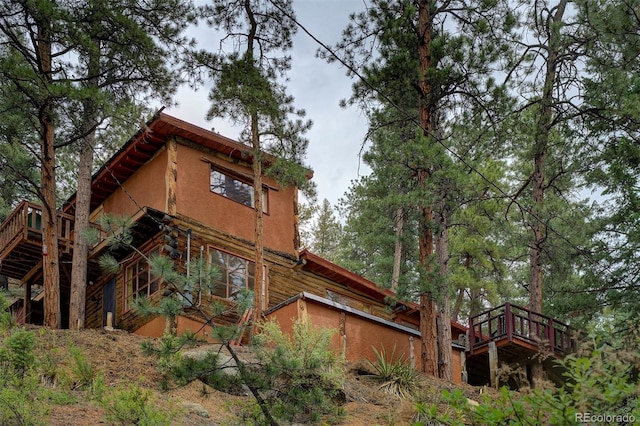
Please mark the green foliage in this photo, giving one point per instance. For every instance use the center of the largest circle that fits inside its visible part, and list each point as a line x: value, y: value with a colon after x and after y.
x: 246, y: 86
x: 16, y: 353
x: 82, y: 369
x: 7, y: 321
x: 19, y: 380
x: 326, y: 233
x: 304, y: 376
x: 174, y: 367
x: 397, y: 376
x: 17, y: 407
x: 601, y: 380
x: 134, y: 405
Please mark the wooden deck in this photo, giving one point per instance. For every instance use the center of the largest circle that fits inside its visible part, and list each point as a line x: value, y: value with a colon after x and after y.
x: 21, y: 239
x: 513, y: 335
x: 512, y: 324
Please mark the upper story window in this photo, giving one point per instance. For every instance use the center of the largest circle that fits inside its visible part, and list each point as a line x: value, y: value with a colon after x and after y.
x: 139, y: 281
x: 235, y: 188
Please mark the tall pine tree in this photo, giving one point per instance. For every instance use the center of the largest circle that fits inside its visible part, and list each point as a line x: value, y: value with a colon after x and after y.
x: 248, y: 90
x: 418, y: 75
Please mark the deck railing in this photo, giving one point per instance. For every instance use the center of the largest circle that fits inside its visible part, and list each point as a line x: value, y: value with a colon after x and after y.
x: 26, y: 221
x: 514, y: 322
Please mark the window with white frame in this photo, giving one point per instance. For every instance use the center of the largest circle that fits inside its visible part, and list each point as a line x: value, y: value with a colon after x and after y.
x: 235, y: 188
x: 139, y: 281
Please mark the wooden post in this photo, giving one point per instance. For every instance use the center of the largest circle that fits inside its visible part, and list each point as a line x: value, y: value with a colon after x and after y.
x: 303, y: 315
x: 171, y: 176
x: 472, y: 335
x: 463, y: 367
x: 509, y: 321
x: 412, y: 353
x: 343, y: 333
x: 27, y: 302
x: 109, y: 325
x: 493, y: 364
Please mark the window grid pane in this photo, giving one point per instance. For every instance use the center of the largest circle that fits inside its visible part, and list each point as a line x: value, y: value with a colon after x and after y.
x: 139, y: 281
x: 236, y: 274
x: 235, y: 189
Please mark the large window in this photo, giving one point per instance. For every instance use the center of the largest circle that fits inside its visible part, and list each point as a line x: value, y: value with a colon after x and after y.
x: 236, y: 274
x: 139, y: 281
x: 223, y: 183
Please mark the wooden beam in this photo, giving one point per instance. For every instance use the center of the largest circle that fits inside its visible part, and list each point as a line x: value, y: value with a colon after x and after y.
x: 303, y: 314
x: 493, y: 364
x: 34, y: 273
x: 343, y: 332
x: 171, y: 176
x: 463, y: 367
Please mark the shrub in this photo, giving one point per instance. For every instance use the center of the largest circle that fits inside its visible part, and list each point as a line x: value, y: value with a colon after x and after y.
x: 19, y: 381
x: 82, y: 369
x: 398, y: 378
x: 601, y: 380
x: 16, y: 353
x: 303, y: 375
x: 134, y: 406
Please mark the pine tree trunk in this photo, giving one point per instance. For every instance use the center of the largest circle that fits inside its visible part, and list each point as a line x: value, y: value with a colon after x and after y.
x: 50, y: 262
x: 428, y: 311
x: 544, y: 125
x: 455, y: 314
x: 80, y: 246
x: 475, y: 305
x: 259, y: 226
x: 79, y: 261
x: 397, y: 252
x: 428, y: 335
x: 445, y: 361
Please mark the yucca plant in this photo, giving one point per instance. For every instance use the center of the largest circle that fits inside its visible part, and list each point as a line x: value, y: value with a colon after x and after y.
x: 397, y: 376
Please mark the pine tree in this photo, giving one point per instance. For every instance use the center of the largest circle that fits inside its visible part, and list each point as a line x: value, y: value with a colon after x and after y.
x: 33, y: 45
x: 248, y: 92
x: 326, y: 232
x: 142, y: 73
x: 88, y: 63
x: 420, y: 74
x: 611, y: 94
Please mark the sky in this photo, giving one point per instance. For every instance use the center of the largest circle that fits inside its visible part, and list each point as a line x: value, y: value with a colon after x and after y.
x: 336, y: 138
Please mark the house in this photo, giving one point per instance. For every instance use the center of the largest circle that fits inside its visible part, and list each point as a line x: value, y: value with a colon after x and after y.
x: 199, y: 184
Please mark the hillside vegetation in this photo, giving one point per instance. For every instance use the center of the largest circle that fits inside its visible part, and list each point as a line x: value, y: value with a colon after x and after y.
x: 83, y: 376
x: 63, y: 377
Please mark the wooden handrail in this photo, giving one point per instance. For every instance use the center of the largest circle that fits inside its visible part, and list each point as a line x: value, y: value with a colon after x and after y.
x: 509, y: 321
x: 27, y: 218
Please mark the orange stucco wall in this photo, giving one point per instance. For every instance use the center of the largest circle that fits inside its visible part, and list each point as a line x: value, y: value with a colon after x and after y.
x: 360, y: 334
x: 147, y: 187
x: 195, y: 200
x: 155, y: 328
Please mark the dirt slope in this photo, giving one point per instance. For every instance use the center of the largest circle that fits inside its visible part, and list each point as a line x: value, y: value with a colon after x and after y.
x: 118, y: 357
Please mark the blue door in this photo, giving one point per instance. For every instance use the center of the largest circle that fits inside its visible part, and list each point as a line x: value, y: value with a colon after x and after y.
x: 109, y: 300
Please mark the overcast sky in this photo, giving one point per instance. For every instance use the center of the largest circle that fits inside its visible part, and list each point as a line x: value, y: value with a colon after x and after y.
x: 336, y: 136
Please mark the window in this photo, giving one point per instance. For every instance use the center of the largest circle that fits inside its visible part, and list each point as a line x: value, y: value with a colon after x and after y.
x: 139, y: 281
x: 235, y: 189
x: 235, y: 274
